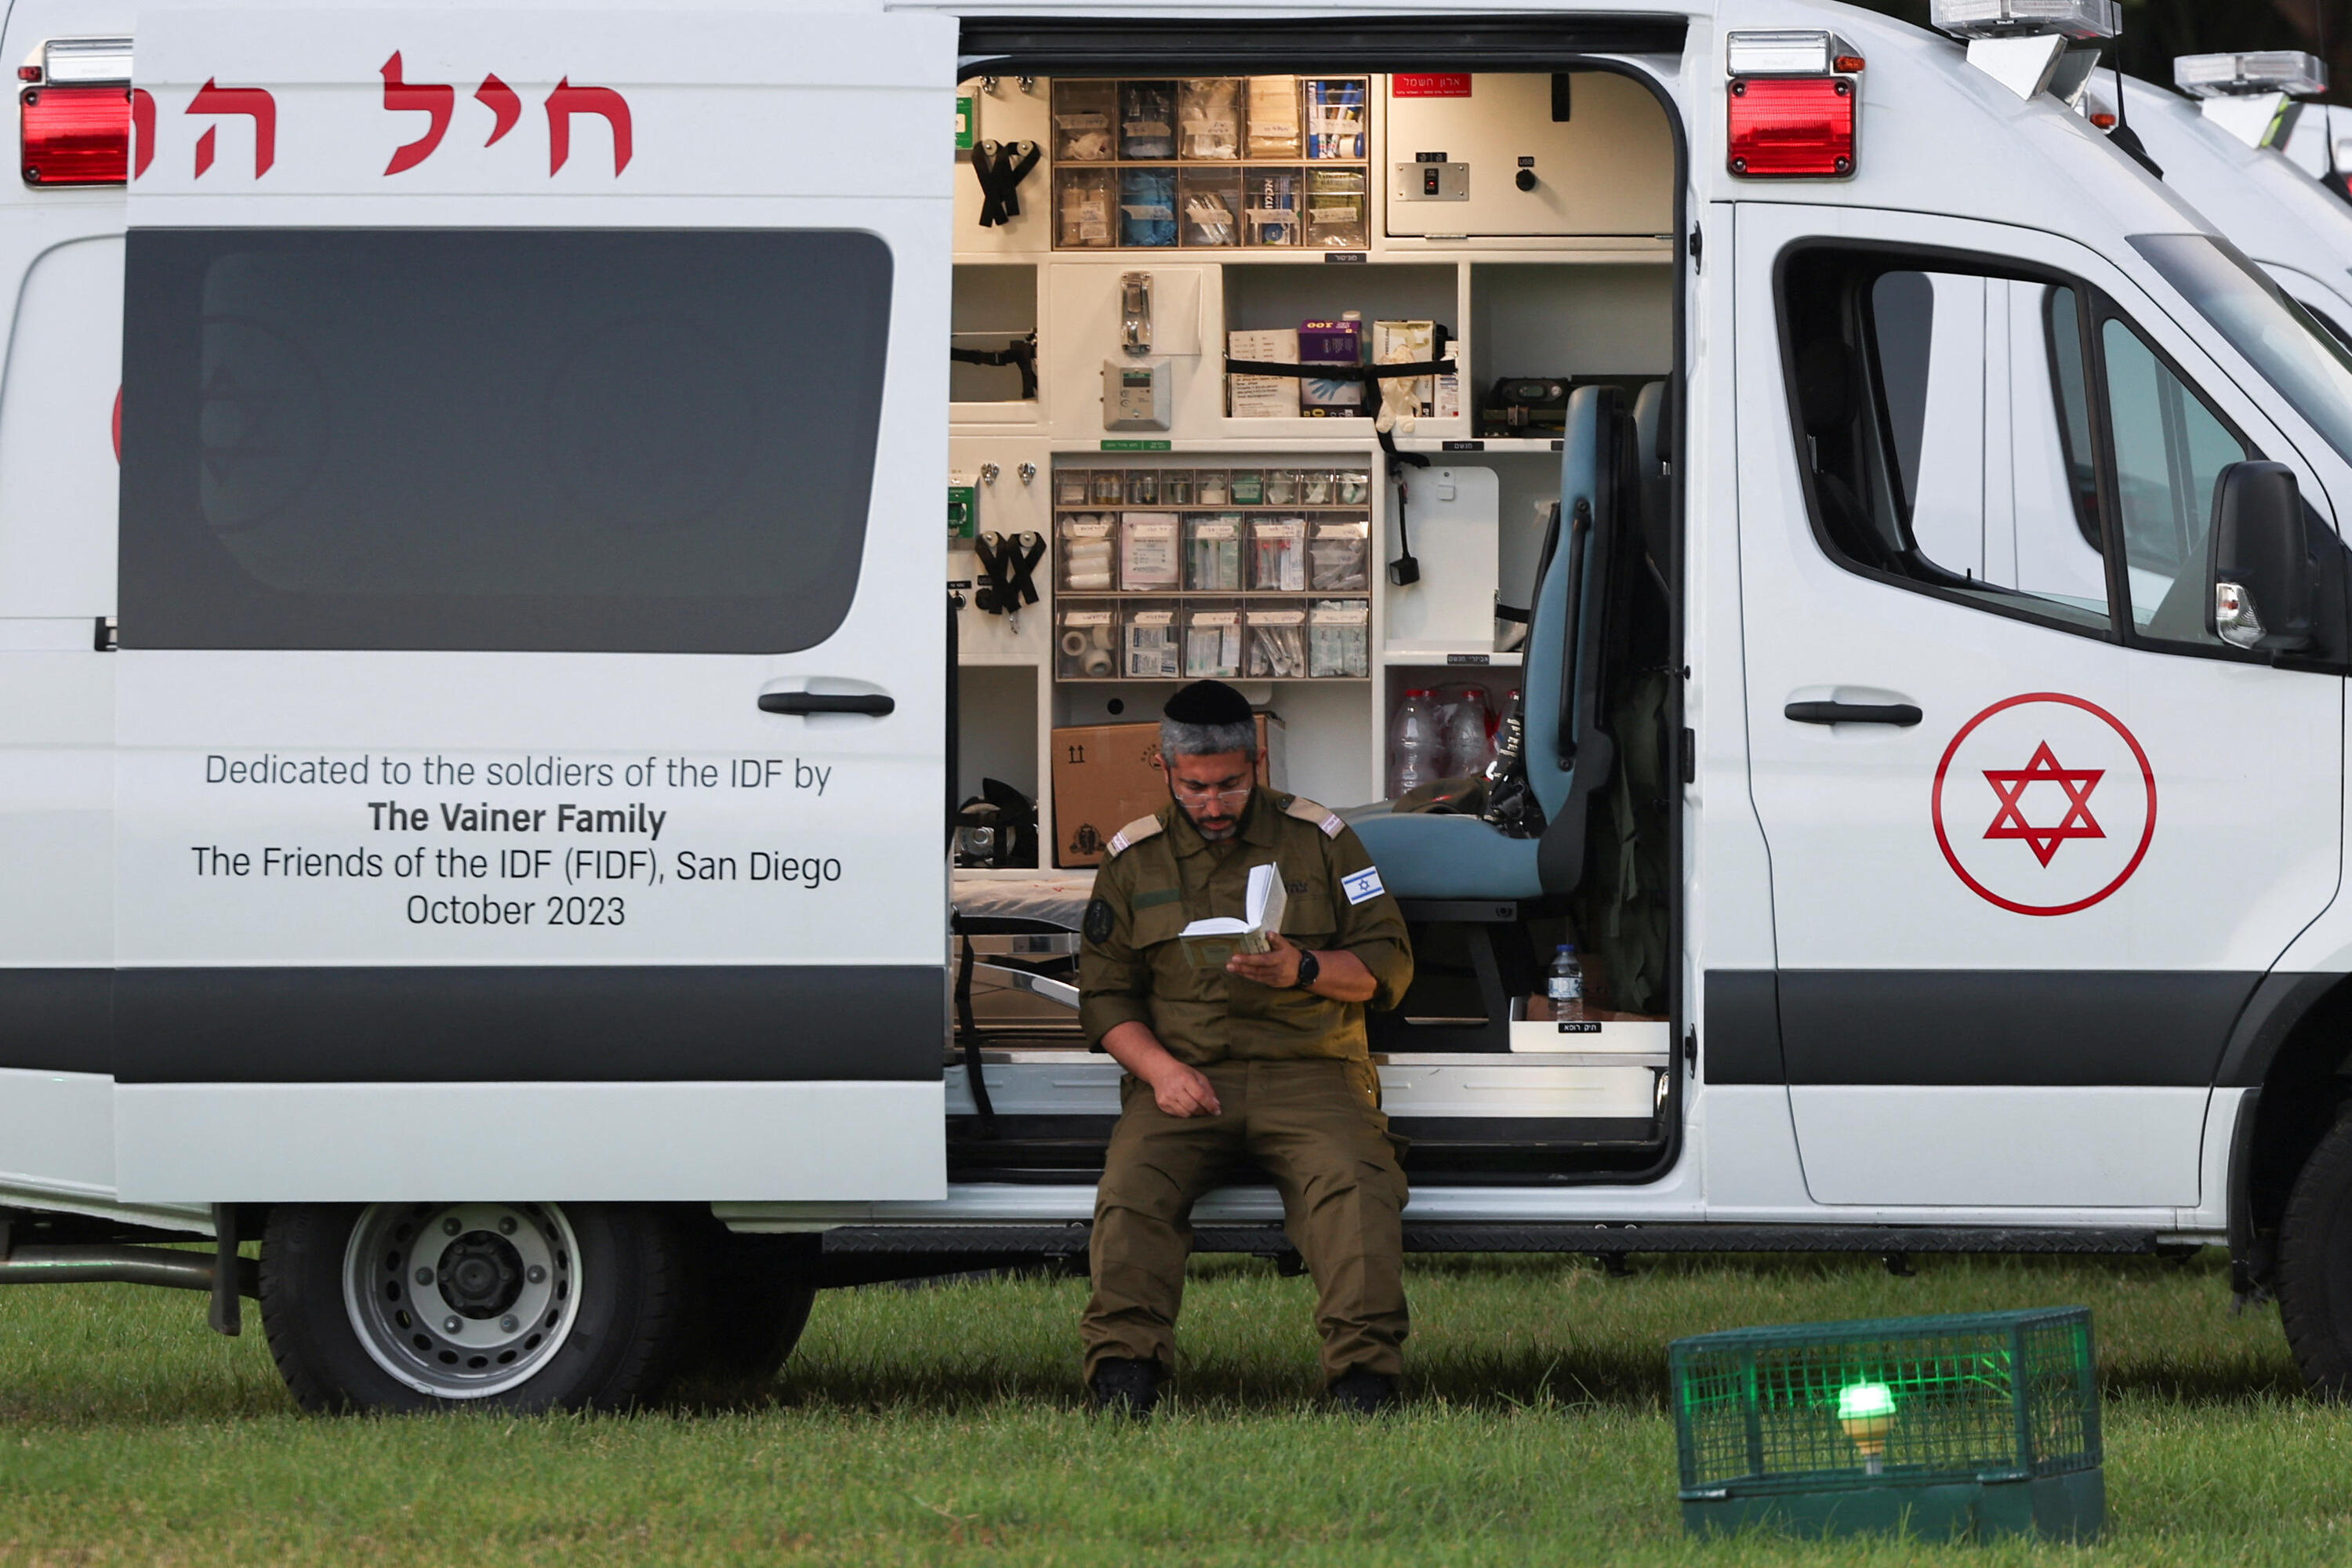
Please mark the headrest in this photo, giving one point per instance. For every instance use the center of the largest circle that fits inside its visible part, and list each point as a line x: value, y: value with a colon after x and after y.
x: 1825, y: 385
x: 1649, y: 434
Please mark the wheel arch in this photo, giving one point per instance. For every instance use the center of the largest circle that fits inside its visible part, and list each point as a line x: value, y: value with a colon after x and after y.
x: 2290, y: 1050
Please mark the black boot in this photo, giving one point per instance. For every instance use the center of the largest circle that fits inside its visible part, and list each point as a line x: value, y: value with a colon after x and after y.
x: 1358, y: 1392
x: 1126, y: 1387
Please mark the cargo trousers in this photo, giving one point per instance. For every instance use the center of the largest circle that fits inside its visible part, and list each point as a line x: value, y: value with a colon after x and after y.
x: 1314, y: 1126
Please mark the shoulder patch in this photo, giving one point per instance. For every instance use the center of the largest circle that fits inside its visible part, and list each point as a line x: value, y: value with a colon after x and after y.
x: 1322, y: 816
x: 1361, y: 885
x: 1099, y: 920
x: 1133, y: 834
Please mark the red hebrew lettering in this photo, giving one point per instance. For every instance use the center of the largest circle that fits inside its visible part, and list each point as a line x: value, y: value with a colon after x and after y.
x: 142, y: 131
x: 567, y: 100
x: 433, y: 98
x: 502, y: 101
x: 204, y: 148
x: 248, y: 101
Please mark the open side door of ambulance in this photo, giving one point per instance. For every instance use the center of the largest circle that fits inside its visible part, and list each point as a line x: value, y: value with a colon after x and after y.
x: 529, y: 720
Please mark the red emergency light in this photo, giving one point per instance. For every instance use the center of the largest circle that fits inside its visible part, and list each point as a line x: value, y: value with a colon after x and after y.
x: 1791, y: 127
x: 76, y: 136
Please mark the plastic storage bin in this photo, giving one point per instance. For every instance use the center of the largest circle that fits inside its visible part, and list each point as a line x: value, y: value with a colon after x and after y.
x: 1339, y: 639
x: 1087, y: 641
x: 1212, y: 641
x: 1278, y: 555
x: 1084, y: 113
x: 1151, y: 643
x: 1088, y: 550
x: 1213, y: 552
x: 1148, y: 552
x: 1275, y: 642
x: 1339, y: 556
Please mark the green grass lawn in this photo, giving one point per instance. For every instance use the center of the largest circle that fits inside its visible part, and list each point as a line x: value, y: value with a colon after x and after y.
x: 942, y: 1423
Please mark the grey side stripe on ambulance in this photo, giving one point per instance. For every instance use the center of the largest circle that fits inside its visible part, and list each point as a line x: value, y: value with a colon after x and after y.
x: 646, y: 1023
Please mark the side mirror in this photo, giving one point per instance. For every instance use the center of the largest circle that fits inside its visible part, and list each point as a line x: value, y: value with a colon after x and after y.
x: 2260, y: 554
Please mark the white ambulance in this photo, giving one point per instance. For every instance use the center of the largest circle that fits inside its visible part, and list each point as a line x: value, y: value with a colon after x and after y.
x: 2224, y: 149
x: 483, y: 723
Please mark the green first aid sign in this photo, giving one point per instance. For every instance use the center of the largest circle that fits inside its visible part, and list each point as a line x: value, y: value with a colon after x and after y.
x: 967, y: 123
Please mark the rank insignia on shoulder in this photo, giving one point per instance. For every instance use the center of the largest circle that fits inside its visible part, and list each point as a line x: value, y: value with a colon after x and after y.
x: 1098, y: 922
x: 1133, y: 834
x: 1322, y: 816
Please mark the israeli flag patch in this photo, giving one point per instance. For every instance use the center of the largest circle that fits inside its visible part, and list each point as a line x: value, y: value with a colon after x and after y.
x: 1361, y: 885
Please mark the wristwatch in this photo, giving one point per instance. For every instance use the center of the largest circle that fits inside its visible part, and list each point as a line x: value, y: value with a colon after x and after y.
x: 1310, y: 966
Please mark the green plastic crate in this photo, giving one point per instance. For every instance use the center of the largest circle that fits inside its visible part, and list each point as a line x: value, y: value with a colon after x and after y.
x: 1974, y: 1426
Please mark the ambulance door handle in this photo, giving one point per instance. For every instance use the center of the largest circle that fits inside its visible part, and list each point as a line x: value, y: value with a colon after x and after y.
x: 805, y: 702
x: 1902, y: 714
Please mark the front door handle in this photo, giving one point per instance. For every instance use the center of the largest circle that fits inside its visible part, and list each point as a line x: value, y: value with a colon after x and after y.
x: 805, y: 702
x: 1902, y: 714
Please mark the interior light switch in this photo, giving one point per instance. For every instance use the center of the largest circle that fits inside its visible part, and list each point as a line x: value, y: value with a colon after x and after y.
x: 1427, y: 179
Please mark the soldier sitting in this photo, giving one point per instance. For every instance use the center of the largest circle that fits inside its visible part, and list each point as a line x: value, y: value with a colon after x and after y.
x: 1263, y: 1059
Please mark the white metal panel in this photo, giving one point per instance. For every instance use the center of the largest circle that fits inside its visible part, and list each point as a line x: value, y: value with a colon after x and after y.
x: 57, y: 1132
x: 579, y: 1142
x: 56, y: 791
x: 57, y: 435
x: 1607, y: 169
x: 1860, y: 877
x: 2071, y: 1148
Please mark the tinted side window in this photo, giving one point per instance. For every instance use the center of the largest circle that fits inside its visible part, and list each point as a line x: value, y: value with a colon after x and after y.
x: 2170, y: 449
x: 1909, y: 381
x: 625, y: 440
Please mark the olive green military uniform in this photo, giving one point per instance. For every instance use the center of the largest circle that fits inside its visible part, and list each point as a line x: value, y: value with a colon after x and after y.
x: 1298, y: 1094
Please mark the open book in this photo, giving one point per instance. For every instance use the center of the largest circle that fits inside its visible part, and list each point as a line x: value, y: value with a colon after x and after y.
x: 1209, y: 943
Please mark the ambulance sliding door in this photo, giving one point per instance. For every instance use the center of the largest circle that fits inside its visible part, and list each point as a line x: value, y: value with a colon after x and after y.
x: 531, y: 714
x: 2035, y: 834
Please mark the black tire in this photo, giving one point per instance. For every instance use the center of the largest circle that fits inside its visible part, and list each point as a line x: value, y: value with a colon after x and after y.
x: 2314, y: 1265
x: 749, y: 1301
x: 603, y: 1331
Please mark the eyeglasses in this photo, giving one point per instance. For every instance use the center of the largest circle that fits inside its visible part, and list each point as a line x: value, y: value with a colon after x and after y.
x: 1194, y: 792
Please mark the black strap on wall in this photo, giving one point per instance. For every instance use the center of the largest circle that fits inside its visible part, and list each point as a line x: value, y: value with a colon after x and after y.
x: 1021, y: 354
x: 1008, y: 570
x: 1002, y: 166
x: 1405, y: 570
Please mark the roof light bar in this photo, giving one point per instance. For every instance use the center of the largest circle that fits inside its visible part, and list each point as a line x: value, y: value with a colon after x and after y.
x: 1787, y: 51
x: 2265, y: 70
x: 86, y: 62
x: 2015, y: 18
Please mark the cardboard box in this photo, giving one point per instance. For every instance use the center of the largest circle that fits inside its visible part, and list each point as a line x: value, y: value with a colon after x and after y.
x: 1264, y: 396
x: 1106, y: 775
x: 1331, y: 342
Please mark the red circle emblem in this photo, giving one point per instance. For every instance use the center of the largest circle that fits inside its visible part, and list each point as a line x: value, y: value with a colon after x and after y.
x: 2066, y: 797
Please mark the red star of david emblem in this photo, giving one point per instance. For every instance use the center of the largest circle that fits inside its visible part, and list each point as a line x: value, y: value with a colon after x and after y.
x: 2010, y: 783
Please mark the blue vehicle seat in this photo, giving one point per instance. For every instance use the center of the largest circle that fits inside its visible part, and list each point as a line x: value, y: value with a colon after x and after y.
x: 1432, y: 856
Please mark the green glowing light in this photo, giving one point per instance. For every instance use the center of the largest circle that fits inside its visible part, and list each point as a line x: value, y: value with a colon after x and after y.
x: 1865, y: 1400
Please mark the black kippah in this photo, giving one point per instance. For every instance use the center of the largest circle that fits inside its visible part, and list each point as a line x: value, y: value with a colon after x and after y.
x: 1208, y: 702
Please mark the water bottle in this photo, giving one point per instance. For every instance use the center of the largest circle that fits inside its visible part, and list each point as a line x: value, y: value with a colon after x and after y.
x: 1465, y: 735
x: 1415, y: 751
x: 1566, y: 985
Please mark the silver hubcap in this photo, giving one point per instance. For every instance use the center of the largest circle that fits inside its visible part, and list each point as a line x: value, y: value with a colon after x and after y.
x: 462, y: 1300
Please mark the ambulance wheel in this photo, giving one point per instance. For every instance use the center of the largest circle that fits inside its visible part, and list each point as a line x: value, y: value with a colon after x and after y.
x: 750, y: 1299
x: 2314, y: 1265
x: 513, y: 1306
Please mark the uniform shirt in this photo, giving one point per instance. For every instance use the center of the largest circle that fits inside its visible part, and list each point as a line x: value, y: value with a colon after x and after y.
x: 1161, y: 875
